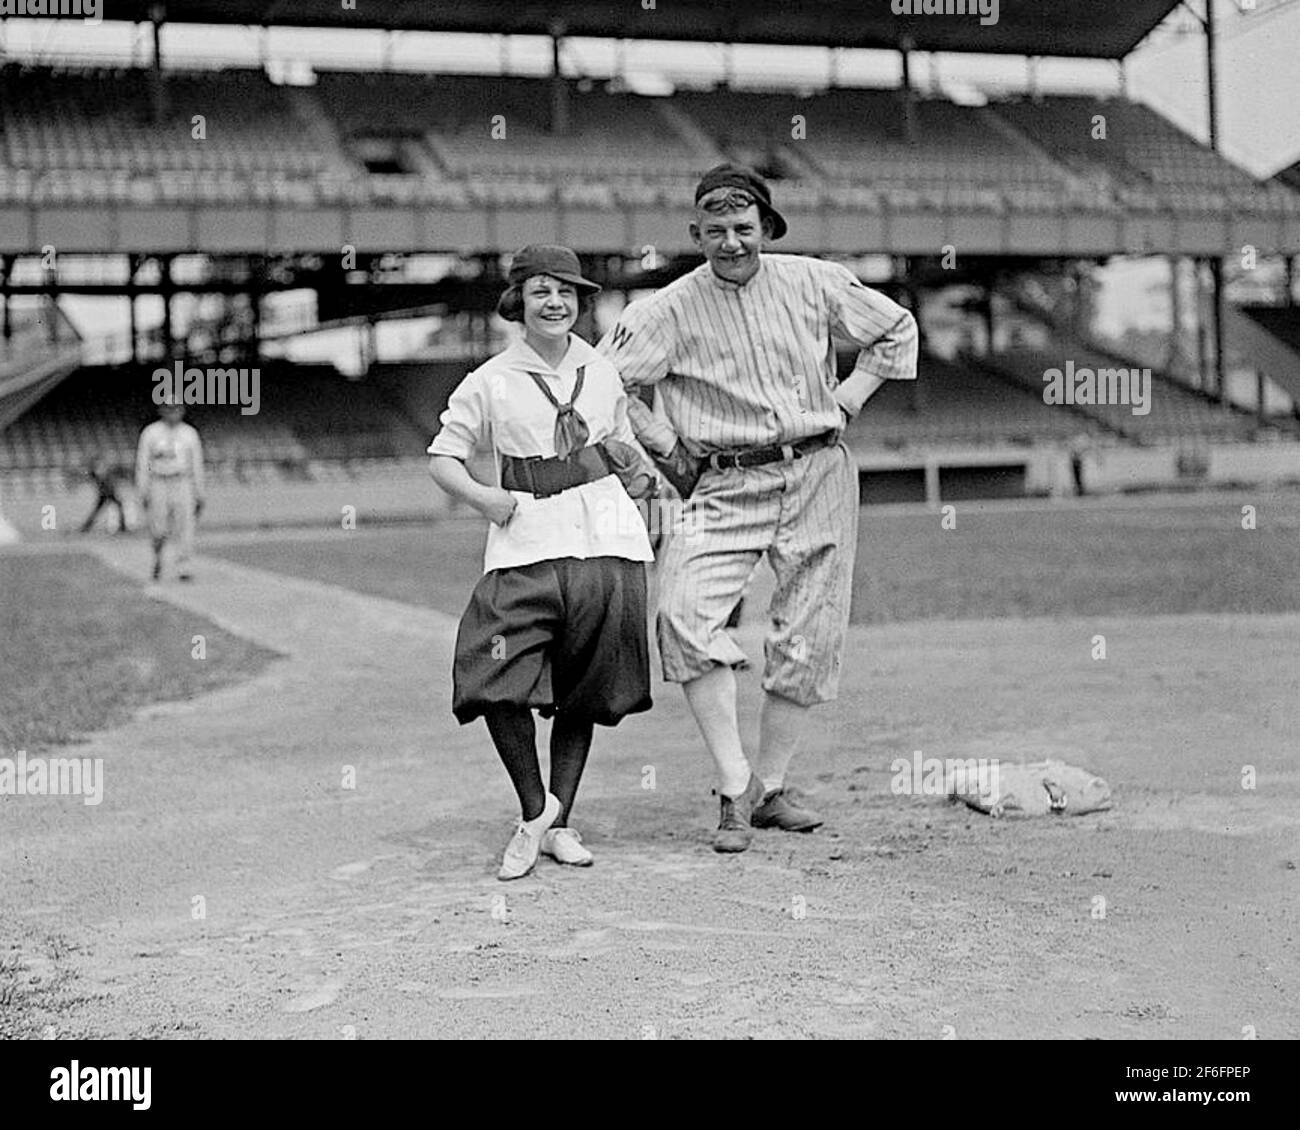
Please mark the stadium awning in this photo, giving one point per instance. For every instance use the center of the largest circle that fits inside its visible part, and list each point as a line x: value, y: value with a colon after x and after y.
x: 1097, y: 29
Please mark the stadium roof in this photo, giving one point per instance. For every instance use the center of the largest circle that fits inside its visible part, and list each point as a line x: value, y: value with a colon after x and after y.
x: 1096, y: 29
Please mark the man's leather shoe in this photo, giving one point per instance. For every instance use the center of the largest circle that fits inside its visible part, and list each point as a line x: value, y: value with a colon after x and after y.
x: 778, y: 810
x: 735, y: 830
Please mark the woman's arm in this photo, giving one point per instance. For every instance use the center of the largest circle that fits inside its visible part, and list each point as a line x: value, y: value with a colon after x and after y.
x: 493, y: 503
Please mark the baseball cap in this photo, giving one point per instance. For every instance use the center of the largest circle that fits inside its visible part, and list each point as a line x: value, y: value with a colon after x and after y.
x: 544, y: 259
x: 729, y: 175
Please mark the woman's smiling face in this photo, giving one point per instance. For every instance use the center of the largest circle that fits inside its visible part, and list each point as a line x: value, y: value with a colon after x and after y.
x: 550, y: 306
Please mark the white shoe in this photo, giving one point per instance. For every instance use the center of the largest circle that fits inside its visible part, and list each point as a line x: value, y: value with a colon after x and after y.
x: 564, y: 845
x: 521, y: 852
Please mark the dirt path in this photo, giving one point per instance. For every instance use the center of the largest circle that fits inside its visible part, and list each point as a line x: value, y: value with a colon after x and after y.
x: 374, y: 911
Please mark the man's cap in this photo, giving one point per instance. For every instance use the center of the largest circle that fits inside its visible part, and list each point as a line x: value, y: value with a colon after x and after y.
x: 543, y: 259
x: 728, y: 175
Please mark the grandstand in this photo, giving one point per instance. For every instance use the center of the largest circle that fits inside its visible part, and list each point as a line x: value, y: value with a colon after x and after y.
x: 101, y: 135
x: 1175, y: 412
x: 90, y: 120
x: 295, y: 427
x: 965, y: 404
x: 285, y: 182
x: 69, y: 135
x: 1145, y: 156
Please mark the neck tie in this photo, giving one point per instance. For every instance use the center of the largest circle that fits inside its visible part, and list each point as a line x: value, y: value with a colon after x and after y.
x: 571, y: 431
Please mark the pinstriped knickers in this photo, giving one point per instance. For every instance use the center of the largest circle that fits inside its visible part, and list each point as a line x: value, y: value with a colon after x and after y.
x: 804, y: 515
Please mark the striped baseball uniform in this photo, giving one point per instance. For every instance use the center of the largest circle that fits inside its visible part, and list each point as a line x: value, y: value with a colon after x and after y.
x: 752, y: 365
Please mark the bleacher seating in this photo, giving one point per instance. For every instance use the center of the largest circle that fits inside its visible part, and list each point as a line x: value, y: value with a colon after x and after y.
x: 91, y: 135
x: 92, y: 120
x: 960, y: 405
x: 1142, y: 152
x: 753, y: 127
x: 1176, y: 413
x: 315, y: 425
x: 612, y: 137
x: 334, y: 418
x: 305, y: 413
x: 852, y: 131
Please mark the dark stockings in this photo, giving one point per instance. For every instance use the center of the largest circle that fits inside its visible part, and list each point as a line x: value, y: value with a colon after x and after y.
x: 570, y: 744
x: 514, y: 733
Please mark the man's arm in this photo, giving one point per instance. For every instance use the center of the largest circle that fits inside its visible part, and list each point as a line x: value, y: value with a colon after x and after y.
x: 886, y: 332
x: 654, y: 432
x: 870, y: 386
x: 623, y: 428
x: 142, y: 466
x: 196, y: 453
x: 635, y: 347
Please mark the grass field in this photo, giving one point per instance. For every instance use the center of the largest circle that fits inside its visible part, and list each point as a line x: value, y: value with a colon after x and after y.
x: 1157, y: 556
x: 82, y: 647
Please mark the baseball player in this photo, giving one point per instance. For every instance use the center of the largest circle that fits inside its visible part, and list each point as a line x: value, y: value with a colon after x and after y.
x: 741, y: 351
x: 169, y: 483
x: 105, y: 477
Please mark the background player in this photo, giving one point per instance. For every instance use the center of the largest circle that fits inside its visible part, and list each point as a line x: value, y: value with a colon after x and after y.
x: 741, y: 352
x: 105, y: 477
x: 169, y: 481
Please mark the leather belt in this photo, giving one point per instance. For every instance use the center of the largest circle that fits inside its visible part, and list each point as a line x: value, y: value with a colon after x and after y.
x: 542, y: 477
x: 776, y: 453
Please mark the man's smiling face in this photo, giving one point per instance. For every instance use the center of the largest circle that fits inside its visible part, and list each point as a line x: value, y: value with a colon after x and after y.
x: 730, y: 234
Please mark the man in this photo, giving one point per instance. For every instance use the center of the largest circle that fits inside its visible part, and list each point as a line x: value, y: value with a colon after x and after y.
x: 105, y: 477
x: 169, y: 483
x: 740, y: 350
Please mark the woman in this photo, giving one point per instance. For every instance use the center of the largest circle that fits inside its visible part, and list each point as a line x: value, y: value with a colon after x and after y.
x: 557, y: 624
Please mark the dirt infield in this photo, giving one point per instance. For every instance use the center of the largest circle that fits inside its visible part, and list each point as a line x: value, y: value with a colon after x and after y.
x: 230, y: 885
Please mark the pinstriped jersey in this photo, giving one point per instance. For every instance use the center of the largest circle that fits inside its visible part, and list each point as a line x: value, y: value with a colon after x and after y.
x: 753, y: 364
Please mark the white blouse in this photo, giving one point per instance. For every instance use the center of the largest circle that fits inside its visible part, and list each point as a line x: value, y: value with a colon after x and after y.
x: 498, y: 405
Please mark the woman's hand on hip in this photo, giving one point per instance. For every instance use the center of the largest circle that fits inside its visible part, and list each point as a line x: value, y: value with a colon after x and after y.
x: 499, y: 506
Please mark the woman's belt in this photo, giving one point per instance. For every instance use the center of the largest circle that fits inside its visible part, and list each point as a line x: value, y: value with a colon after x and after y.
x: 543, y: 478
